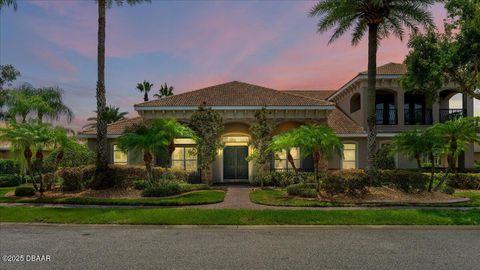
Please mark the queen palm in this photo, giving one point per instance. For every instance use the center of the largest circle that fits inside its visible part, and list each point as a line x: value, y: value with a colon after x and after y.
x: 51, y: 104
x: 380, y: 18
x: 21, y: 102
x: 102, y: 156
x: 144, y: 88
x: 320, y: 142
x: 150, y: 137
x: 164, y: 91
x: 285, y: 142
x: 7, y: 3
x: 112, y: 114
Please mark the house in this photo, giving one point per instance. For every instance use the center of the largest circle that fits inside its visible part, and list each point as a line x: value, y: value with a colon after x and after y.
x: 343, y: 110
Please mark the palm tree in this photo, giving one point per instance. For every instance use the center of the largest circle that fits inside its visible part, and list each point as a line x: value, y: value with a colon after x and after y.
x: 7, y: 3
x: 380, y: 18
x: 320, y: 142
x: 145, y: 87
x: 112, y: 115
x: 149, y: 137
x: 285, y: 142
x: 457, y: 136
x: 164, y: 91
x: 51, y: 104
x: 21, y: 102
x: 102, y: 155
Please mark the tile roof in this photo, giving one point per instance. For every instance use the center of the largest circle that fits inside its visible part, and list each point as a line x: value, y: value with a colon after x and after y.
x: 342, y: 124
x: 316, y: 94
x: 116, y: 128
x: 390, y: 69
x: 235, y: 94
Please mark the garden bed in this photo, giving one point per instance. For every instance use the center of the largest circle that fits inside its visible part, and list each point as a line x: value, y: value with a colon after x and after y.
x: 376, y: 196
x: 118, y: 196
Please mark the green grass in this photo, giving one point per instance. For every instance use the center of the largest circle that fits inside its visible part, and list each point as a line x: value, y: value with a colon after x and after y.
x: 171, y: 216
x: 279, y: 197
x: 191, y: 198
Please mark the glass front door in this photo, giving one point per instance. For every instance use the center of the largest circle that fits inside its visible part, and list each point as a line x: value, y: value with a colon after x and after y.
x: 235, y: 165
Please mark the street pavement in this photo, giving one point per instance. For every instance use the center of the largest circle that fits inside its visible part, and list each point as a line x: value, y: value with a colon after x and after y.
x: 224, y: 247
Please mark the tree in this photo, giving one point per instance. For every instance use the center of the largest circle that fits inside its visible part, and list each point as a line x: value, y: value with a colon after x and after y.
x: 208, y: 126
x: 21, y: 102
x: 51, y: 104
x: 164, y: 91
x: 457, y: 135
x: 320, y: 142
x: 7, y: 3
x: 149, y: 137
x: 454, y: 56
x: 102, y: 155
x: 380, y: 18
x: 112, y: 115
x: 261, y: 137
x: 144, y: 87
x: 8, y: 74
x: 285, y: 142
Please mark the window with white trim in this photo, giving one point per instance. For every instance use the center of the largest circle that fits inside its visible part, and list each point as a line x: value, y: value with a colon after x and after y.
x: 281, y: 161
x: 349, y: 156
x: 183, y: 158
x: 119, y: 157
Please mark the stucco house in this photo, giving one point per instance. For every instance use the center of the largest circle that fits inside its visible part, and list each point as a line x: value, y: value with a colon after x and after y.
x: 343, y: 110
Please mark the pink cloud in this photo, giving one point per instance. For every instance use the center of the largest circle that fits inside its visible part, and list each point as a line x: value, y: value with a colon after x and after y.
x: 58, y: 62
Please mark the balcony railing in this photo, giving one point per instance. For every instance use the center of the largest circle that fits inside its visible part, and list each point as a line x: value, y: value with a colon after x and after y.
x: 451, y: 114
x: 387, y: 117
x: 418, y: 117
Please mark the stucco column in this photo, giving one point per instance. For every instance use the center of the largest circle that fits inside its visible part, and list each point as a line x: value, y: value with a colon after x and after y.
x: 436, y: 112
x: 400, y: 105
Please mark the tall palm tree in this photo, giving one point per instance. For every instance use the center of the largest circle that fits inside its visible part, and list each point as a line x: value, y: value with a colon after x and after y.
x: 7, y: 3
x: 112, y: 115
x: 144, y: 87
x: 320, y: 142
x: 380, y: 18
x: 151, y: 136
x: 164, y: 91
x: 102, y: 155
x: 52, y: 105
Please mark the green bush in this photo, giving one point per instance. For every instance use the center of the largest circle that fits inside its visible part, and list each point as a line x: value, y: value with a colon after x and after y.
x: 10, y: 180
x: 351, y: 182
x: 466, y: 181
x: 408, y: 181
x: 385, y: 158
x: 163, y: 190
x: 192, y: 187
x: 266, y: 177
x: 76, y: 178
x: 139, y: 184
x: 306, y: 190
x: 9, y: 166
x: 75, y: 156
x: 24, y: 191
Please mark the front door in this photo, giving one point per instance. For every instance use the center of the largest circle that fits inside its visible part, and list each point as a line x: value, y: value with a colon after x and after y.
x: 235, y: 165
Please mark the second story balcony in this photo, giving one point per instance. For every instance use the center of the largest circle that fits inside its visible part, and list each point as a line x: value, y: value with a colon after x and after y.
x: 387, y: 116
x: 451, y: 114
x: 418, y: 116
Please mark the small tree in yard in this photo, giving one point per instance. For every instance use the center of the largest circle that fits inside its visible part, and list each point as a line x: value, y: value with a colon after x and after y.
x: 284, y: 142
x: 320, y: 142
x: 150, y: 136
x: 208, y: 125
x: 262, y: 136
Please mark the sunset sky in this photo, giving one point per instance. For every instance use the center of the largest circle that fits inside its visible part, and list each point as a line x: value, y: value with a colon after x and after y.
x: 188, y: 44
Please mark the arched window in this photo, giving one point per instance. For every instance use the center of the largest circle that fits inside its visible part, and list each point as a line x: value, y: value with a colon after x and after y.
x: 355, y: 103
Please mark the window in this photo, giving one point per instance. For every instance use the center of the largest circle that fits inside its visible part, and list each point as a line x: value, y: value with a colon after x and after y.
x: 355, y: 103
x: 119, y: 157
x: 349, y: 156
x: 281, y: 161
x: 184, y: 159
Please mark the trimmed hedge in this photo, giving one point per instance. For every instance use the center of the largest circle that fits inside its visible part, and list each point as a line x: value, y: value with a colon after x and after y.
x: 9, y: 166
x: 11, y: 180
x: 306, y: 190
x: 466, y: 181
x: 282, y: 179
x: 163, y: 190
x: 408, y: 181
x: 76, y: 178
x: 351, y: 182
x: 24, y: 191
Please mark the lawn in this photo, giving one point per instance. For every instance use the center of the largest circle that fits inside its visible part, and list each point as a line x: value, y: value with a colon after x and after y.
x: 278, y: 197
x: 171, y: 216
x: 191, y: 198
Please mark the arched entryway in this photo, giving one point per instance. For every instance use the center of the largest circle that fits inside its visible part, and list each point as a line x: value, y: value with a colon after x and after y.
x: 452, y: 105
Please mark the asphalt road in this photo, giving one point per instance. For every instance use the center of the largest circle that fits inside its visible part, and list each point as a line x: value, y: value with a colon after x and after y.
x: 156, y: 247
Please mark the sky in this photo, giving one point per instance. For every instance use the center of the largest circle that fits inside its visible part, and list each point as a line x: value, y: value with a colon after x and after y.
x: 187, y: 44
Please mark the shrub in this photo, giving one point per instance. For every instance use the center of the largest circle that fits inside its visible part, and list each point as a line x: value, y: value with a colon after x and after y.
x: 408, y: 181
x: 266, y: 177
x: 9, y: 166
x: 76, y: 178
x: 139, y: 184
x: 306, y: 190
x: 24, y: 191
x: 165, y: 189
x: 384, y: 158
x: 448, y: 190
x: 351, y: 182
x: 10, y: 180
x: 466, y: 181
x: 74, y: 156
x: 193, y: 187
